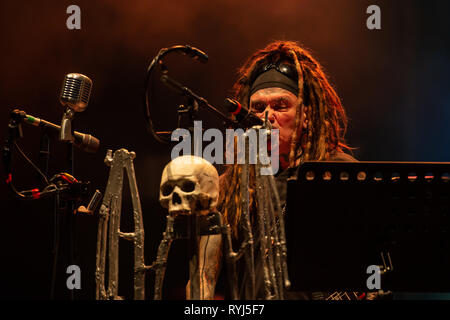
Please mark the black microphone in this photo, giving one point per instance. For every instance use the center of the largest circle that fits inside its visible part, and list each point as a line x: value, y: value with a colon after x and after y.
x: 84, y: 141
x: 74, y: 97
x: 244, y: 116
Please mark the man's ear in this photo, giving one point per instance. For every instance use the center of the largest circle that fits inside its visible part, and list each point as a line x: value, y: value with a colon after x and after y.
x: 305, y: 120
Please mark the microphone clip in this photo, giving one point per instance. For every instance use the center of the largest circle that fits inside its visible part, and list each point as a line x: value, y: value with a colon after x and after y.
x: 66, y: 133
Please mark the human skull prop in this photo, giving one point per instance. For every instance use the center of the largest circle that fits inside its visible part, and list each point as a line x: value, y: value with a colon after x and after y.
x: 189, y: 186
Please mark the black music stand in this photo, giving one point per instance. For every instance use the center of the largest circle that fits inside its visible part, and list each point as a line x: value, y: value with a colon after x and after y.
x: 342, y: 217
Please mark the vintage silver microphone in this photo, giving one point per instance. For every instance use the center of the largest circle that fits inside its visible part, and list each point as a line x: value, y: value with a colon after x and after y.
x: 74, y: 97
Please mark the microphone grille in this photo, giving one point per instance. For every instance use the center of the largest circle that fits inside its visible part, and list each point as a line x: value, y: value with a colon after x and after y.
x: 76, y: 91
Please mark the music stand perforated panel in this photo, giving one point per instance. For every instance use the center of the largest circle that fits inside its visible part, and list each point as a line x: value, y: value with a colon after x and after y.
x: 341, y: 216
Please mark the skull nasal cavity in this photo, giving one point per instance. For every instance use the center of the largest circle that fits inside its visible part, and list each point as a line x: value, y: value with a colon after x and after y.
x: 176, y: 198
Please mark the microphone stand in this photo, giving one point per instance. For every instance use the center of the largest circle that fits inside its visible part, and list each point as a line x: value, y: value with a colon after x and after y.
x: 71, y: 215
x: 186, y: 117
x: 186, y: 92
x: 66, y: 208
x: 44, y: 157
x: 66, y: 192
x: 66, y: 135
x: 186, y: 114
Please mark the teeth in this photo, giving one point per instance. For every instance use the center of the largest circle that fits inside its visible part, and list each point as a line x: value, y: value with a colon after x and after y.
x: 180, y: 212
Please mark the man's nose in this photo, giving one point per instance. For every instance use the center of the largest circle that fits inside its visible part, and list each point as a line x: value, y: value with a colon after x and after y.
x: 270, y: 115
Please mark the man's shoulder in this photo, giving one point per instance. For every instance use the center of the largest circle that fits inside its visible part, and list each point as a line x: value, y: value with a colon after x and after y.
x: 341, y: 156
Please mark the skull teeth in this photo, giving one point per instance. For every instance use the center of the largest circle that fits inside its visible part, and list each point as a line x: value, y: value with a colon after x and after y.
x: 180, y: 212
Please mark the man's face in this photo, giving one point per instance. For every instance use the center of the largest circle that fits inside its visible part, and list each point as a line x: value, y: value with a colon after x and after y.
x: 281, y: 107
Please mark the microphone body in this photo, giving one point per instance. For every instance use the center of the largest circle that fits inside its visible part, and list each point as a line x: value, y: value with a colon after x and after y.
x: 84, y: 141
x: 244, y: 116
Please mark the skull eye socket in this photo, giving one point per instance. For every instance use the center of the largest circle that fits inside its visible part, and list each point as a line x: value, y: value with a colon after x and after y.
x: 166, y: 189
x: 188, y: 186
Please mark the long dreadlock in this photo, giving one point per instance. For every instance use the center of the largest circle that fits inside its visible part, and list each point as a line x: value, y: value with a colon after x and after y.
x: 325, y: 120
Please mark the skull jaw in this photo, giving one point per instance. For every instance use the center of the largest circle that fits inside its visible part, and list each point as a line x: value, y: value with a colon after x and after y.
x: 199, y: 204
x: 194, y: 209
x: 175, y: 213
x: 178, y: 209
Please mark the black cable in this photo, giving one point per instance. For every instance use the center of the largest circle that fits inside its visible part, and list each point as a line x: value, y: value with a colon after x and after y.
x: 192, y: 52
x: 148, y: 118
x: 29, y: 194
x: 44, y: 152
x: 19, y: 194
x: 31, y: 162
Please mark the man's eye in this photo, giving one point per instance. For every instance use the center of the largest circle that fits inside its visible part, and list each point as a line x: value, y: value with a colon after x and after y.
x: 281, y: 106
x: 258, y: 108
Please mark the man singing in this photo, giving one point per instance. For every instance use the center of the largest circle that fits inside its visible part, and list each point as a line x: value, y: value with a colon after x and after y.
x: 286, y: 82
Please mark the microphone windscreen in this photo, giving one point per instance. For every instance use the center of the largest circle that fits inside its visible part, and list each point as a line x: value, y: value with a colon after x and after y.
x: 76, y: 91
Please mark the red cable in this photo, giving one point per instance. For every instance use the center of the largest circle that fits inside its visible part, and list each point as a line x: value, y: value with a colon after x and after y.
x: 238, y: 109
x: 35, y: 193
x: 67, y: 179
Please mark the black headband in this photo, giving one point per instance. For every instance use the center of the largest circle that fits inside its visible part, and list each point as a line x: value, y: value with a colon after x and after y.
x: 275, y: 75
